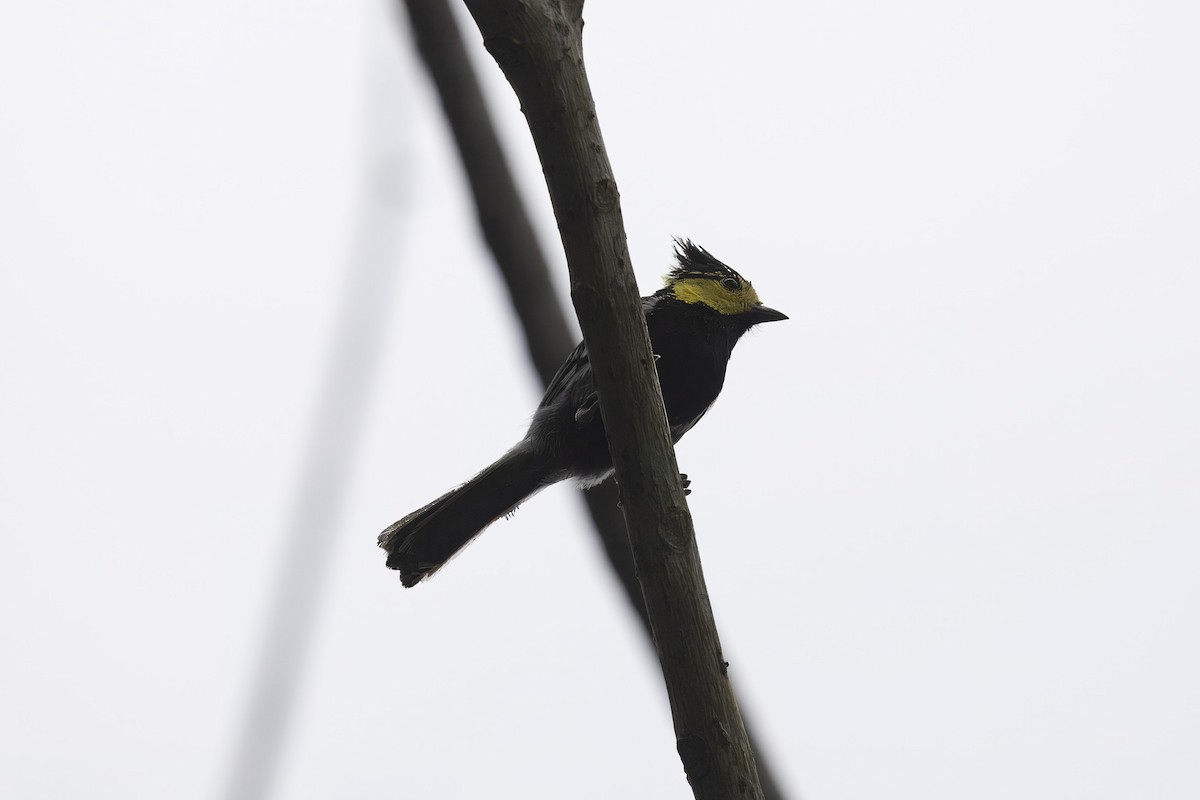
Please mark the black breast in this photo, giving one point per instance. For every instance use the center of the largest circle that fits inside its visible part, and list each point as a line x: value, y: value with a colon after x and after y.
x: 693, y: 346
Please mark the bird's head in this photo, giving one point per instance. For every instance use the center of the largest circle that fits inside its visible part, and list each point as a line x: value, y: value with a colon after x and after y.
x: 699, y: 278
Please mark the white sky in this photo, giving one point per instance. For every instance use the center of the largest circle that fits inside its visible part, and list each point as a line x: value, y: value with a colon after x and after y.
x: 949, y: 512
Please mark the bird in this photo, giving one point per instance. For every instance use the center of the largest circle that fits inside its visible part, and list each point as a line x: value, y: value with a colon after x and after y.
x: 694, y: 321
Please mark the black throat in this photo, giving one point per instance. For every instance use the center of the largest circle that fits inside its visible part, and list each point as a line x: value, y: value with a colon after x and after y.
x: 693, y: 344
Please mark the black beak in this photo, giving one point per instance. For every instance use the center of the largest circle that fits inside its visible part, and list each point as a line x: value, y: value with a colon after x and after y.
x: 761, y: 313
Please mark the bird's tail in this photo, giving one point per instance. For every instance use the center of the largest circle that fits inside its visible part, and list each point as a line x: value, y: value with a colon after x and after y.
x: 422, y: 542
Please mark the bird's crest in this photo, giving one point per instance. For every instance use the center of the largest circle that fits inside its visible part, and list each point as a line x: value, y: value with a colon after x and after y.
x: 698, y: 277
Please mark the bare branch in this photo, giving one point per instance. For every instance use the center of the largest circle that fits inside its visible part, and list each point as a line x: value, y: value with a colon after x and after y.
x: 509, y: 233
x: 539, y: 47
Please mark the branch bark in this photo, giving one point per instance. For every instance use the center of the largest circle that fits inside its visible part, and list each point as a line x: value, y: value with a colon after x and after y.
x: 509, y: 233
x: 538, y: 45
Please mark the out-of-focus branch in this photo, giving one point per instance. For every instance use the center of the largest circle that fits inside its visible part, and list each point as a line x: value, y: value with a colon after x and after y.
x: 501, y: 212
x: 538, y: 45
x: 352, y: 366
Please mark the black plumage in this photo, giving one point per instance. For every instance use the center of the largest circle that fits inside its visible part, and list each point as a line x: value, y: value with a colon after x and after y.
x: 694, y: 321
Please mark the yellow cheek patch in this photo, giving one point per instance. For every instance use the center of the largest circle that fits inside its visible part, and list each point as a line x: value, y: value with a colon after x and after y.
x: 712, y: 294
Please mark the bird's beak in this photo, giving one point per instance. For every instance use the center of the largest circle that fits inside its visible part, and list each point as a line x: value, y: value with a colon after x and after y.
x: 761, y: 313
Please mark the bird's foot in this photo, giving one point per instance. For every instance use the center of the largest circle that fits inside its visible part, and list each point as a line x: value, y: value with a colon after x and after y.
x: 683, y: 480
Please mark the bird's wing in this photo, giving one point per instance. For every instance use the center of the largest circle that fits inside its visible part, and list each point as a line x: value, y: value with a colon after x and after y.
x: 574, y: 378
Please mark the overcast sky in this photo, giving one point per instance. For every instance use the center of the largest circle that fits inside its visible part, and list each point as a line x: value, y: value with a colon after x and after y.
x: 949, y: 512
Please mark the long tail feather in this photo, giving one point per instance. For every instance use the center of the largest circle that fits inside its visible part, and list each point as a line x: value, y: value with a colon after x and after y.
x: 426, y: 539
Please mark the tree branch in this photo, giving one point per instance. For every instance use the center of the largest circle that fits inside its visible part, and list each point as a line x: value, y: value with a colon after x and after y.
x: 538, y: 45
x: 507, y: 228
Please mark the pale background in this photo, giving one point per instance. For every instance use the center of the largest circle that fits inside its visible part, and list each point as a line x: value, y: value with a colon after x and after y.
x: 949, y: 512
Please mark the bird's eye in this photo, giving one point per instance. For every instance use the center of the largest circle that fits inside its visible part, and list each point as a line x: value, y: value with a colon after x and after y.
x: 731, y: 284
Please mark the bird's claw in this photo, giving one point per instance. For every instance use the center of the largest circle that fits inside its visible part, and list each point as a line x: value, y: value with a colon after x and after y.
x: 685, y: 483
